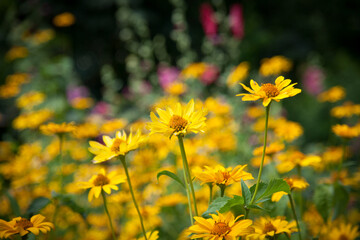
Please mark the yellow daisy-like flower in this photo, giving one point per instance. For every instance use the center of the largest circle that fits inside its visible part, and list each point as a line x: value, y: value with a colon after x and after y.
x: 222, y: 176
x: 151, y: 236
x: 102, y: 182
x: 342, y: 232
x: 238, y: 74
x: 266, y: 227
x: 345, y: 131
x: 23, y: 226
x: 334, y: 94
x: 178, y: 120
x: 348, y: 109
x: 53, y: 128
x: 268, y: 91
x: 292, y: 158
x: 120, y: 145
x: 220, y: 227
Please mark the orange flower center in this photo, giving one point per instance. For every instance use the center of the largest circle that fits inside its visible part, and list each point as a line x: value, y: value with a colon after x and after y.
x: 101, y: 180
x: 116, y: 145
x: 221, y: 229
x: 343, y: 237
x: 270, y: 90
x: 23, y: 223
x: 269, y: 227
x: 177, y: 123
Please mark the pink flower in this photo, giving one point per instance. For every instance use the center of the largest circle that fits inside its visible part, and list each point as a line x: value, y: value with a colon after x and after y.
x: 167, y: 75
x: 237, y: 21
x: 313, y: 80
x: 210, y: 74
x: 73, y: 92
x: 101, y: 108
x: 208, y: 20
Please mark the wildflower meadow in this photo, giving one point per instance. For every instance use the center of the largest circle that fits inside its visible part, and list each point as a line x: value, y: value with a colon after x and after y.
x: 174, y: 120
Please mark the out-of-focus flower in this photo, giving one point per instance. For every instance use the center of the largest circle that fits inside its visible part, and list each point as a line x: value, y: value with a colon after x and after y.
x: 101, y: 108
x: 12, y: 84
x: 171, y: 200
x: 348, y: 109
x: 176, y: 88
x: 288, y: 130
x: 270, y: 151
x: 341, y: 231
x: 65, y: 19
x: 237, y: 21
x: 18, y: 79
x: 120, y: 145
x: 208, y: 20
x: 313, y: 220
x: 9, y: 90
x: 30, y: 99
x: 5, y: 151
x: 102, y: 182
x: 167, y: 75
x: 275, y: 66
x: 210, y: 74
x: 113, y: 125
x: 332, y: 155
x: 334, y: 94
x: 177, y: 120
x: 54, y: 128
x: 268, y: 91
x: 268, y: 227
x: 193, y: 70
x: 221, y: 226
x: 40, y: 36
x: 151, y: 236
x: 345, y: 131
x: 32, y: 119
x: 313, y: 80
x: 24, y: 226
x: 238, y: 74
x: 292, y: 158
x: 294, y: 184
x: 82, y: 102
x: 222, y: 176
x: 86, y: 130
x: 16, y: 52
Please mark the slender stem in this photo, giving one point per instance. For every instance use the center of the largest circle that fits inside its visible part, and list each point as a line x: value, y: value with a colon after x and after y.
x: 222, y: 189
x: 187, y: 169
x: 299, y: 195
x: 210, y: 192
x: 107, y: 213
x: 294, y: 213
x: 262, y: 158
x: 122, y: 158
x: 189, y: 198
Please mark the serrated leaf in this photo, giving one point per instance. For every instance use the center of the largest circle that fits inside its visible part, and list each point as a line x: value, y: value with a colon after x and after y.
x: 340, y: 201
x: 261, y: 189
x: 232, y: 202
x: 171, y: 175
x: 265, y: 191
x: 322, y: 200
x: 36, y: 205
x: 215, y: 206
x: 245, y: 192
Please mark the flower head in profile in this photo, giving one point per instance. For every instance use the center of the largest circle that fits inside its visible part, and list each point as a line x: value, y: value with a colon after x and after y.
x: 220, y: 227
x: 268, y: 91
x: 178, y: 120
x: 342, y: 231
x: 266, y: 227
x: 294, y: 184
x: 54, y: 128
x: 345, y: 131
x: 120, y: 145
x: 102, y: 182
x: 24, y: 226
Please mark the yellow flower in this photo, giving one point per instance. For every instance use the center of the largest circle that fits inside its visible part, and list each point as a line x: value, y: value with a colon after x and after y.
x: 220, y: 227
x: 16, y: 52
x: 222, y: 176
x: 345, y: 131
x: 238, y: 74
x: 266, y: 227
x: 151, y: 236
x: 82, y: 102
x: 341, y: 231
x: 23, y: 226
x: 269, y: 91
x: 334, y: 94
x: 294, y: 184
x: 9, y: 90
x: 313, y: 220
x: 194, y: 70
x: 102, y: 182
x: 217, y: 106
x: 346, y: 110
x: 288, y: 130
x: 270, y: 151
x: 275, y: 65
x: 176, y: 88
x: 32, y: 119
x: 30, y: 100
x: 120, y: 145
x: 54, y: 128
x: 43, y: 36
x: 86, y: 130
x: 332, y: 155
x: 18, y: 79
x: 112, y: 125
x: 65, y: 19
x: 293, y: 158
x: 178, y: 120
x: 255, y: 112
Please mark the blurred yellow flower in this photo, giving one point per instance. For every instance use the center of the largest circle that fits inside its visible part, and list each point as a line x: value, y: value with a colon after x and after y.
x: 171, y: 200
x: 30, y: 99
x: 178, y: 120
x: 348, y: 109
x: 334, y: 94
x: 120, y: 145
x: 82, y: 102
x: 54, y: 128
x: 32, y: 119
x: 102, y: 182
x: 43, y: 36
x: 193, y: 70
x: 24, y: 226
x: 255, y: 111
x: 238, y: 74
x: 342, y: 231
x: 294, y: 184
x: 17, y: 78
x: 65, y: 19
x: 16, y: 52
x: 269, y: 91
x: 288, y: 130
x: 86, y: 130
x: 176, y: 88
x: 113, y: 125
x: 292, y: 158
x: 151, y: 236
x: 217, y: 106
x: 9, y: 90
x: 275, y: 65
x: 345, y: 131
x: 266, y: 227
x: 219, y: 227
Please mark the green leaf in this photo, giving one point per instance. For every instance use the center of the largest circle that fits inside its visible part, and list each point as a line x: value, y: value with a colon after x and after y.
x: 215, y: 206
x: 36, y: 205
x: 171, y: 175
x: 13, y: 204
x: 266, y: 191
x: 340, y: 201
x: 245, y: 193
x: 257, y: 207
x: 232, y: 202
x: 261, y: 189
x: 322, y: 200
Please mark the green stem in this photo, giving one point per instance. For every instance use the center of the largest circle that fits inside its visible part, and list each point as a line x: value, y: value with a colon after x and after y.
x: 262, y: 158
x: 187, y: 170
x: 107, y: 213
x: 61, y: 156
x: 222, y: 189
x: 122, y: 158
x: 210, y: 192
x: 294, y: 213
x: 188, y: 198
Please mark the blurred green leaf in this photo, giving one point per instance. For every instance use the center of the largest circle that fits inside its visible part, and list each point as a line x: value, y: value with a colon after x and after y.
x: 36, y: 205
x: 171, y: 175
x: 340, y: 201
x: 216, y: 205
x: 322, y: 200
x: 14, y: 204
x: 232, y: 202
